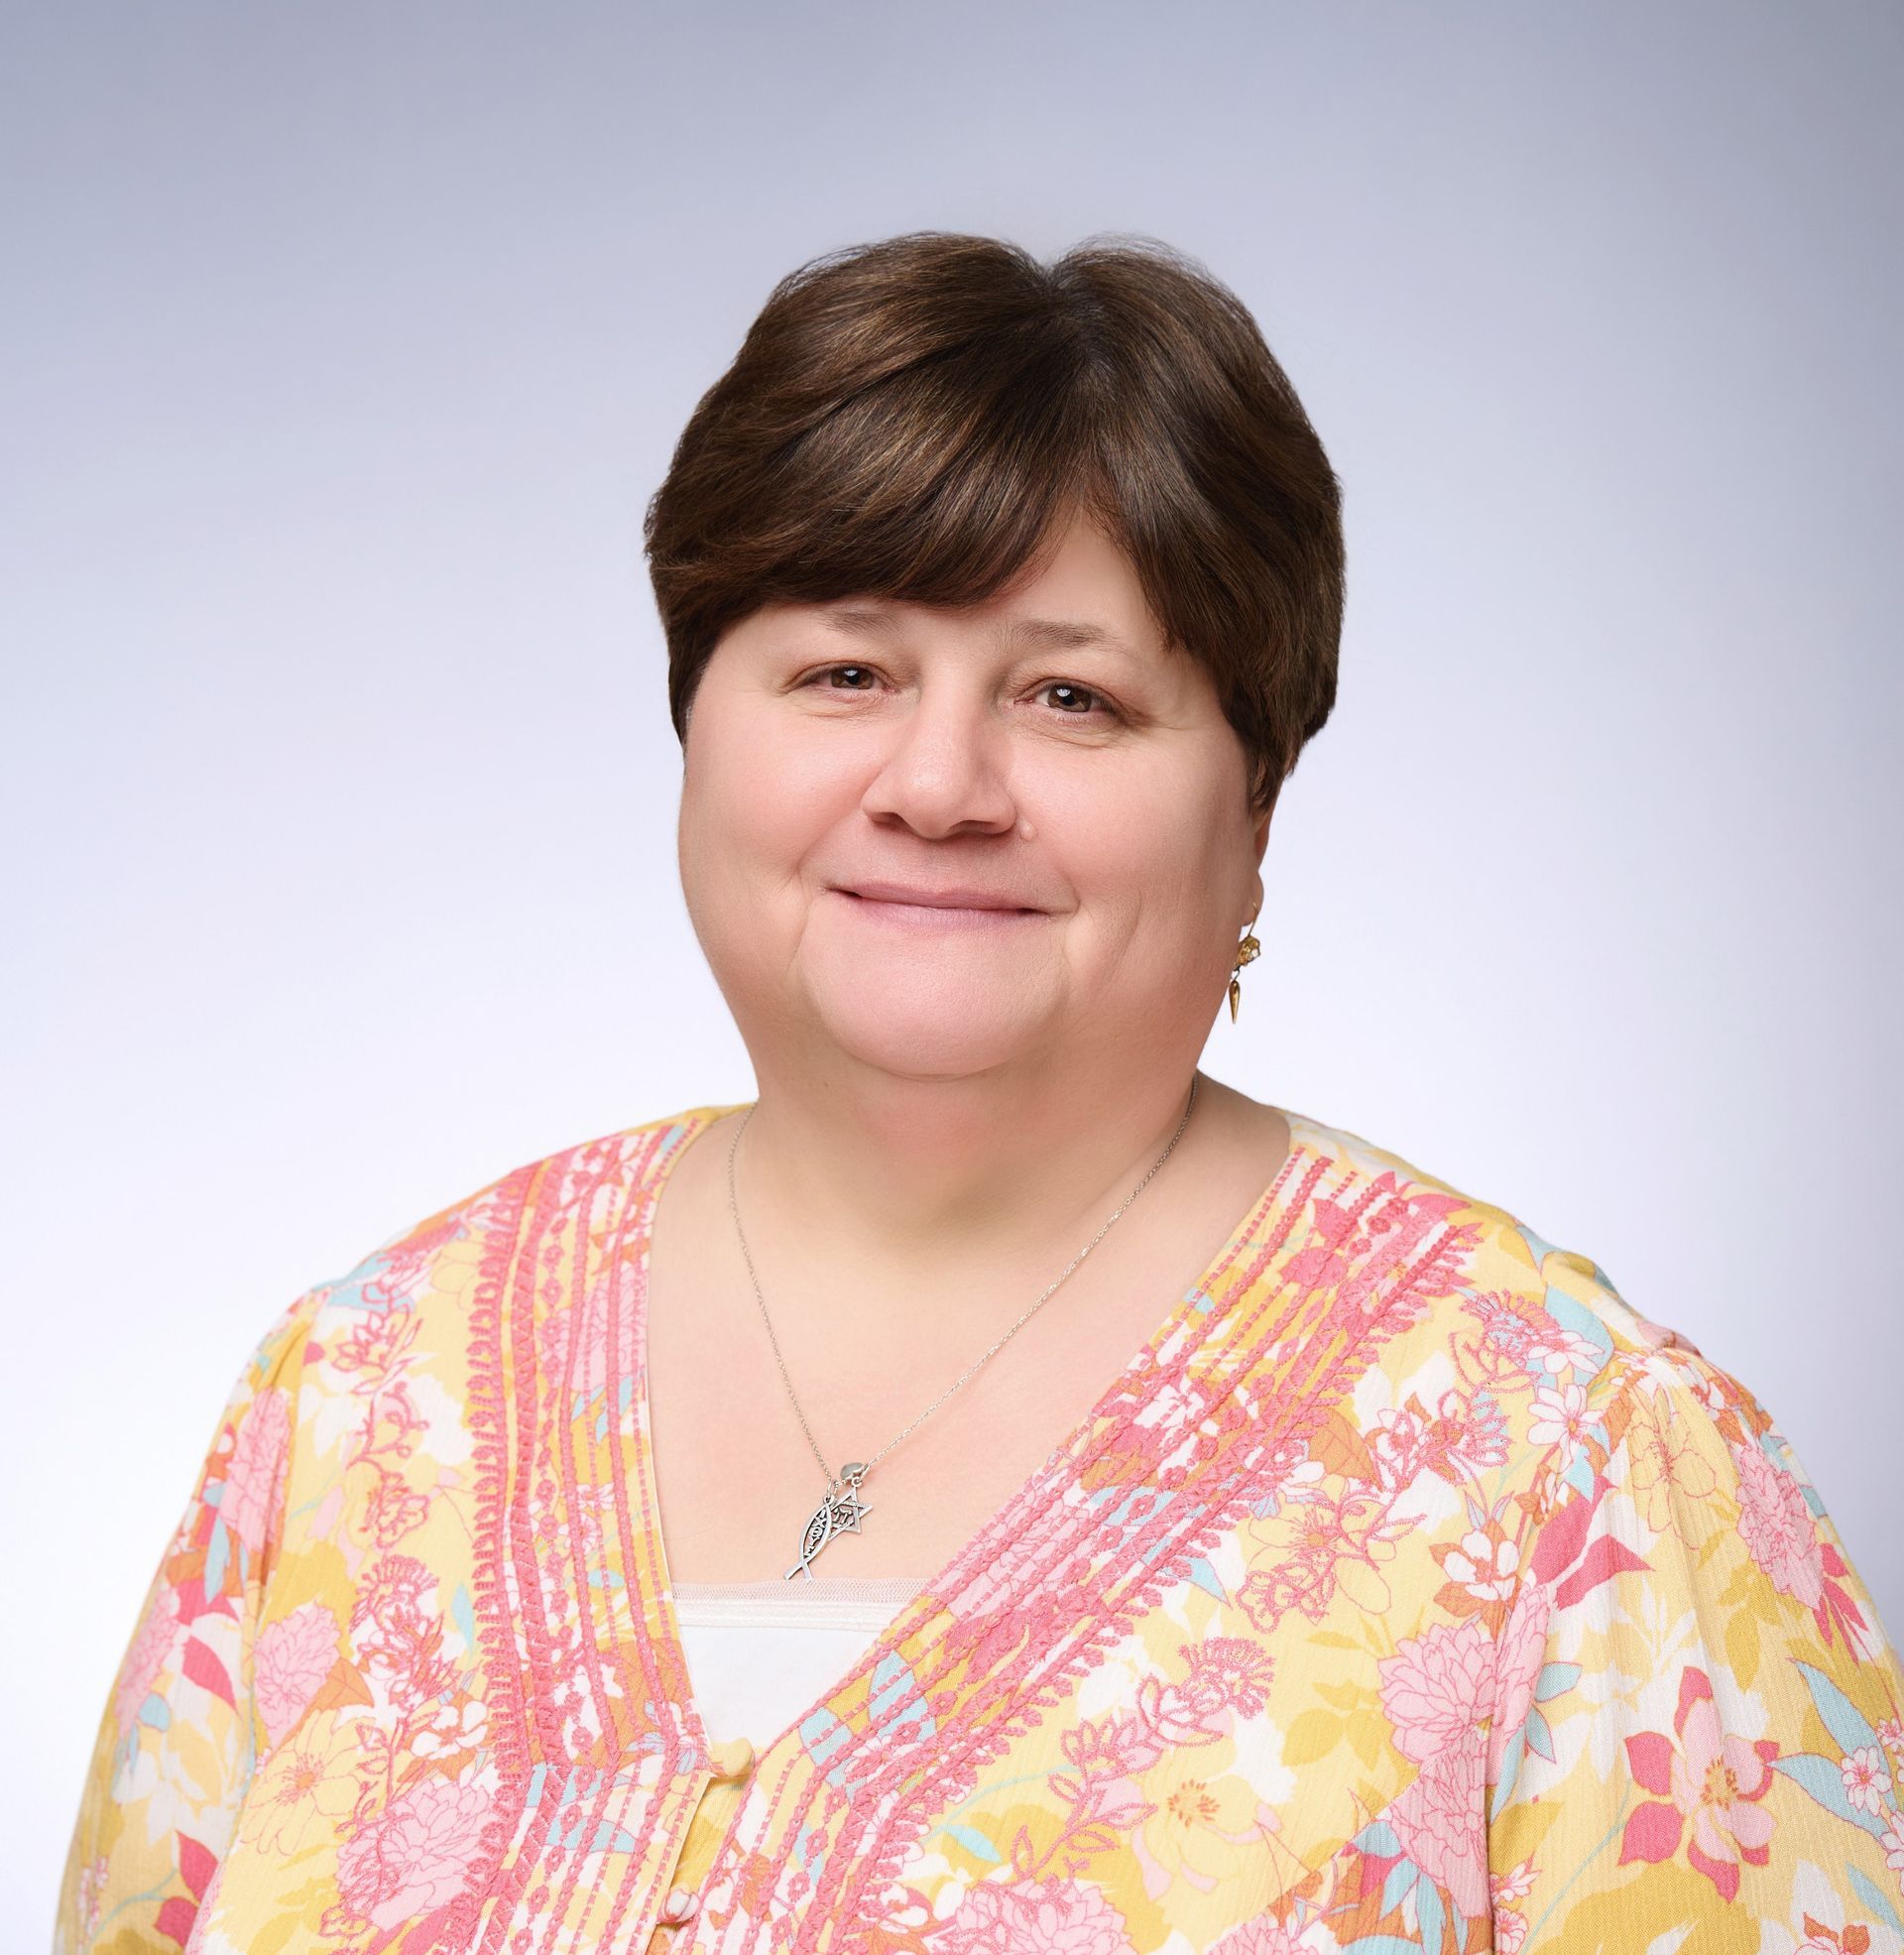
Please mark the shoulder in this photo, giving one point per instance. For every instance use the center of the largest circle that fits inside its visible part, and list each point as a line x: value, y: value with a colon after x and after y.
x: 452, y: 1310
x: 1516, y: 1370
x: 1527, y: 1347
x: 588, y: 1183
x: 1494, y: 1274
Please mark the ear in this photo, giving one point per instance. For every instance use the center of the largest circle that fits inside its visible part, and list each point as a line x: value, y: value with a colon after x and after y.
x: 1260, y: 833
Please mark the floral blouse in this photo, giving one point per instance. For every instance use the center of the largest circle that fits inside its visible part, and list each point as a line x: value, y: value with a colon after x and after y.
x: 1408, y: 1590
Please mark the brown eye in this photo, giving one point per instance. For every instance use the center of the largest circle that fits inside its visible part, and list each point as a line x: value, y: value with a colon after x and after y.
x: 1069, y: 692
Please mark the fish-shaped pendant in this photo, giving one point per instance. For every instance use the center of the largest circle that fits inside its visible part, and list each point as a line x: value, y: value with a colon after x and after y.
x: 839, y: 1512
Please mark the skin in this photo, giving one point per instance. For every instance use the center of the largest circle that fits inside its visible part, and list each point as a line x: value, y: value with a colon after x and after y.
x: 946, y: 1114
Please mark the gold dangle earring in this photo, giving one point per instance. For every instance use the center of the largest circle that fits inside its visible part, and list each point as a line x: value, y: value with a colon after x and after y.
x: 1247, y: 951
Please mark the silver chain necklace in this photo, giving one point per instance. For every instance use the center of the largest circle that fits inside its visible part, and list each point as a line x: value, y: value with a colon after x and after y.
x: 840, y: 1510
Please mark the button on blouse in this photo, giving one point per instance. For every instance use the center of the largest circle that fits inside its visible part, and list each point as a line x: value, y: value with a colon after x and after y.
x: 732, y: 1757
x: 731, y: 1762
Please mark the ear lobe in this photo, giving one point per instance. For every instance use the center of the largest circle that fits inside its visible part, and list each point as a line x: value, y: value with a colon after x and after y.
x: 1263, y: 833
x: 1261, y: 823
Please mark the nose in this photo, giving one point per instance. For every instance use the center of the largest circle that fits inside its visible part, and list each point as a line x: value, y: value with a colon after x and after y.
x: 946, y: 769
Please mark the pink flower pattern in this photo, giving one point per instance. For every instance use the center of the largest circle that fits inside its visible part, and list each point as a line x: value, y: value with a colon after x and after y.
x: 1778, y: 1526
x: 1435, y: 1686
x: 253, y: 1477
x: 415, y: 1854
x: 1713, y: 1786
x: 1036, y: 1917
x: 295, y: 1655
x: 151, y: 1647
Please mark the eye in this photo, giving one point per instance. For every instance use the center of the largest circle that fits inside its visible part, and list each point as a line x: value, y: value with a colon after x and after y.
x: 1089, y: 693
x: 827, y: 672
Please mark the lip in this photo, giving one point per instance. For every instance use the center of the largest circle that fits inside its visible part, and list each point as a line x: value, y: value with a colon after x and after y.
x: 935, y: 912
x: 905, y: 896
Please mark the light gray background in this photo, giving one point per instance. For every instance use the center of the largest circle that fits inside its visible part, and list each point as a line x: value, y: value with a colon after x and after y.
x: 343, y: 346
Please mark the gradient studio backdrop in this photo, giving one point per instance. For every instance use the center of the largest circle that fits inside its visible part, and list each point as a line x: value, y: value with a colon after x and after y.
x: 342, y: 347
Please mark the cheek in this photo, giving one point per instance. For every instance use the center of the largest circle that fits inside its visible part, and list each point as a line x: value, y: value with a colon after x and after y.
x: 751, y: 818
x: 1143, y: 863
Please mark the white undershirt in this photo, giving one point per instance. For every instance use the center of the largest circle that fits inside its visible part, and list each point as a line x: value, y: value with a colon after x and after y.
x: 759, y: 1653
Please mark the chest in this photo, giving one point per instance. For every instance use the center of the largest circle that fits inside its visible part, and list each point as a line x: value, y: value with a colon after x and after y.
x: 950, y: 1433
x: 738, y: 1480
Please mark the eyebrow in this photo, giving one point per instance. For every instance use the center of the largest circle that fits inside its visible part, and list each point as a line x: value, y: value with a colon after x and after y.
x: 1060, y: 633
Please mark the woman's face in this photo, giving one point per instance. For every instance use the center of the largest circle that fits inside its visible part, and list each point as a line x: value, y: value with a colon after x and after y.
x: 1041, y: 752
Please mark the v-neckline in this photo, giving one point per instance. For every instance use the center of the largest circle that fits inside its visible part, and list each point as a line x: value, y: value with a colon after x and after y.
x: 925, y: 1613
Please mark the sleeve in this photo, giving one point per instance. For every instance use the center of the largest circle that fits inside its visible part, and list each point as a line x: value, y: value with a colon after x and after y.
x: 1696, y: 1742
x: 173, y: 1748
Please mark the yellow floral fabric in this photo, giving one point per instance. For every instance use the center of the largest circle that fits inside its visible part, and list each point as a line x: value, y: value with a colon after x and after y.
x: 1408, y: 1591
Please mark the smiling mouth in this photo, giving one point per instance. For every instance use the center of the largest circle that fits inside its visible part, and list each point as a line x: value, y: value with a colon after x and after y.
x: 937, y: 915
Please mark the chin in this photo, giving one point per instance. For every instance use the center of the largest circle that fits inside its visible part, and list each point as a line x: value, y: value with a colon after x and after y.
x: 916, y: 1032
x: 925, y: 1050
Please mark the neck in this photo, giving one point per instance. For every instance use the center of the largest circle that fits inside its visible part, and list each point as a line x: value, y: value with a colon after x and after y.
x: 900, y: 1186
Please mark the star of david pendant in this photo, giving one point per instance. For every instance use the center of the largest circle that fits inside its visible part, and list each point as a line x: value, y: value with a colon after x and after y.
x: 840, y: 1511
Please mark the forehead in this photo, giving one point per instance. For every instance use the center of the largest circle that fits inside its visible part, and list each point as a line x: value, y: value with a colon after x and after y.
x: 1082, y: 594
x: 865, y: 618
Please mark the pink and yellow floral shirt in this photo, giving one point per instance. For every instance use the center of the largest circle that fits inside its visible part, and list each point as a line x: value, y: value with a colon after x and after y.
x: 1408, y: 1590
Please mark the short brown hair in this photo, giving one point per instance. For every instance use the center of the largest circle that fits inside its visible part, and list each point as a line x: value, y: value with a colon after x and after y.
x: 908, y: 419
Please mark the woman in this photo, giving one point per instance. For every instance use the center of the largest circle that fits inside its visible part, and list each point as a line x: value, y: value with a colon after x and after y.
x: 1267, y: 1547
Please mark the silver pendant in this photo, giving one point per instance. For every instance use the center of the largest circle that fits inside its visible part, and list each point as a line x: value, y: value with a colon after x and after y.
x: 839, y: 1512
